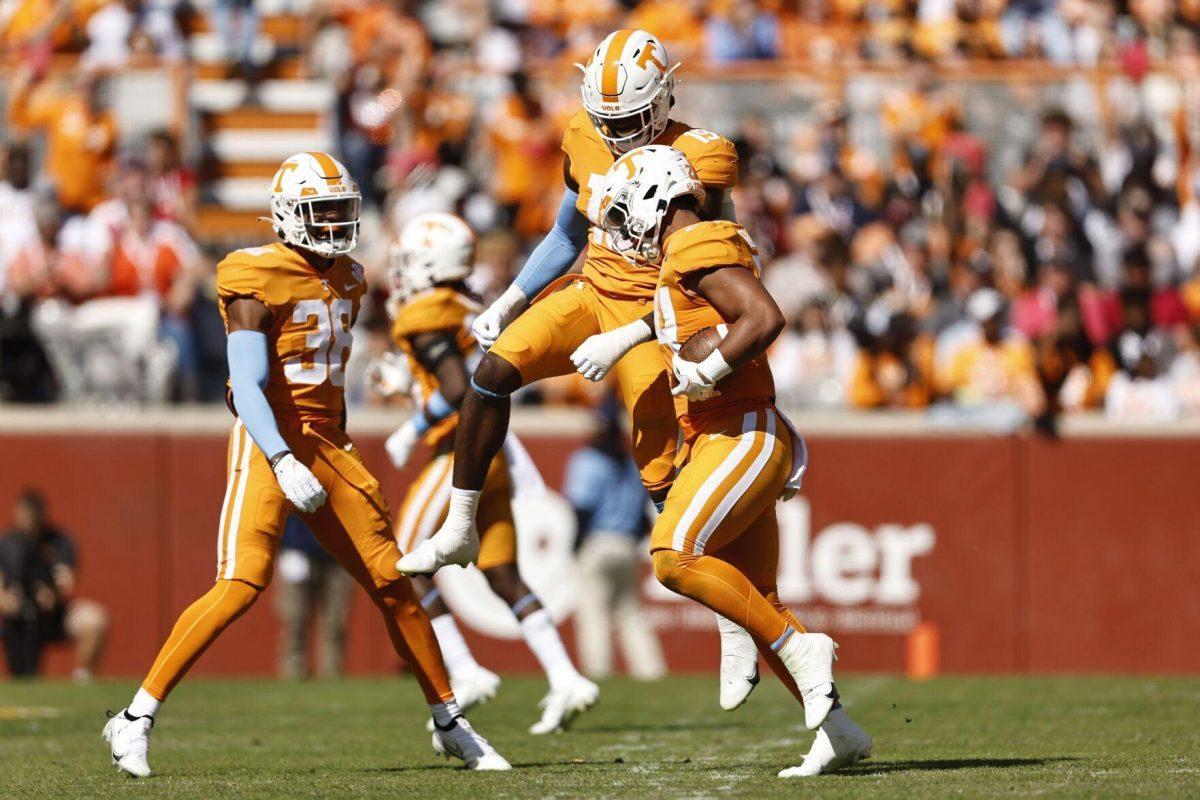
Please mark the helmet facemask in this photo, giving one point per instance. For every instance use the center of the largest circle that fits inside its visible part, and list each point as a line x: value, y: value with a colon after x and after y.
x: 330, y: 224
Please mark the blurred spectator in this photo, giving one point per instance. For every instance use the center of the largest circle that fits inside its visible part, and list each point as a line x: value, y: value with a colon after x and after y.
x: 742, y: 31
x: 80, y: 135
x: 895, y: 367
x: 38, y: 602
x: 310, y: 585
x: 172, y: 184
x: 1141, y: 391
x: 610, y: 502
x: 236, y: 24
x: 157, y: 259
x: 995, y: 369
x: 527, y: 157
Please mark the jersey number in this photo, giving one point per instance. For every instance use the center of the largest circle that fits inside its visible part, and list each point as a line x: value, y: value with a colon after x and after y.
x: 329, y: 343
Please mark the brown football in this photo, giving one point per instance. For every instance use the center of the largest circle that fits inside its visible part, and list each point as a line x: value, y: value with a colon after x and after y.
x: 700, y: 344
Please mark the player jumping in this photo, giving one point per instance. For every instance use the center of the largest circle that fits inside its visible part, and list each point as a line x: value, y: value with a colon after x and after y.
x: 589, y: 325
x: 432, y: 308
x: 288, y: 309
x: 717, y: 540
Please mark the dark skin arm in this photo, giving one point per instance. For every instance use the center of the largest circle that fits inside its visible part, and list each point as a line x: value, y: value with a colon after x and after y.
x: 248, y: 314
x: 738, y: 295
x: 450, y: 369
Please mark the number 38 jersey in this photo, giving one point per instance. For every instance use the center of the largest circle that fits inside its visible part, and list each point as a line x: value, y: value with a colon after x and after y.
x: 680, y: 313
x: 312, y: 312
x: 711, y: 155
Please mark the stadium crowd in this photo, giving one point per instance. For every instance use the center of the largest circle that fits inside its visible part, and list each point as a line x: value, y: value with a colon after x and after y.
x: 917, y: 274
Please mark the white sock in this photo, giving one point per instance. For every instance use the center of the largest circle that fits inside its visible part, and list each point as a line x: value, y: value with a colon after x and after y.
x: 542, y: 638
x: 454, y: 648
x: 445, y: 713
x: 463, y: 503
x: 143, y: 704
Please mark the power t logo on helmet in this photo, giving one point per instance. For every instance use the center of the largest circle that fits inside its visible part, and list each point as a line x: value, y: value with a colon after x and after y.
x: 638, y: 190
x: 432, y: 248
x: 627, y: 89
x: 315, y: 204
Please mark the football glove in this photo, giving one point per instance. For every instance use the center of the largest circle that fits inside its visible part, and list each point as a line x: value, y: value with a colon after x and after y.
x: 698, y: 381
x: 402, y: 442
x: 299, y: 485
x: 488, y: 326
x: 389, y: 375
x: 596, y: 356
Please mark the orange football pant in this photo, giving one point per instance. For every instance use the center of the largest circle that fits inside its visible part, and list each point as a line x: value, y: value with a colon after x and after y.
x: 717, y: 540
x: 539, y: 344
x: 353, y: 525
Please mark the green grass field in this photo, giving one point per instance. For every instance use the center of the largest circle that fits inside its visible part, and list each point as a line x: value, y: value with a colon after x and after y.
x: 972, y: 737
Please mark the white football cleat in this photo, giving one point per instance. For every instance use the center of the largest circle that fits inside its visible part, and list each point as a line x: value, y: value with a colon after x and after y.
x: 560, y: 708
x: 739, y: 664
x: 461, y: 741
x: 449, y: 545
x: 809, y: 658
x: 471, y: 689
x: 129, y: 738
x: 839, y: 743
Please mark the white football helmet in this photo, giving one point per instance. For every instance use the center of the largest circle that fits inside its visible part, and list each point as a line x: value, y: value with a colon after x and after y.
x: 638, y: 190
x: 315, y: 204
x: 627, y: 89
x: 432, y: 248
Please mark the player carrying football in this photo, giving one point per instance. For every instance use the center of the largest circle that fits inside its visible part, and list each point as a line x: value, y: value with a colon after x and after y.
x: 591, y: 323
x: 717, y: 540
x: 432, y: 308
x: 288, y: 309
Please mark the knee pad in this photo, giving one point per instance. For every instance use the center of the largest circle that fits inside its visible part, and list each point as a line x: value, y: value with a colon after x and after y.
x: 669, y: 566
x: 395, y: 595
x: 241, y: 594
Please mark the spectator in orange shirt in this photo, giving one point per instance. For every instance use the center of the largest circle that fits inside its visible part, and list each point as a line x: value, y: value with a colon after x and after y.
x: 995, y: 369
x: 526, y: 154
x: 895, y: 369
x: 80, y: 136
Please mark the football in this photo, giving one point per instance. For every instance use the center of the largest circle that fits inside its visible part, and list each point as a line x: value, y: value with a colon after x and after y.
x: 700, y: 344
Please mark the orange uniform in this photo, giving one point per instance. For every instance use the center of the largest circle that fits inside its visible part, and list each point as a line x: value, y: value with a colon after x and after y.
x: 614, y: 291
x: 717, y: 539
x: 309, y: 343
x: 444, y: 310
x: 738, y: 449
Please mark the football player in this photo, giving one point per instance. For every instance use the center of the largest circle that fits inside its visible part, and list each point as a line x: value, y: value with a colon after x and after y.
x: 432, y: 309
x: 288, y: 309
x: 717, y: 539
x: 591, y: 323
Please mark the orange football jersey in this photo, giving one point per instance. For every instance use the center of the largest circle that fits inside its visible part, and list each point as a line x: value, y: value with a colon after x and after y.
x: 311, y: 316
x: 679, y: 313
x: 711, y: 155
x: 437, y: 310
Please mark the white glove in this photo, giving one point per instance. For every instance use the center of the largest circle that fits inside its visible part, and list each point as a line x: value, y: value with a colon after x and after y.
x: 496, y: 317
x: 299, y: 485
x: 389, y: 375
x: 596, y: 356
x: 402, y: 442
x: 698, y: 381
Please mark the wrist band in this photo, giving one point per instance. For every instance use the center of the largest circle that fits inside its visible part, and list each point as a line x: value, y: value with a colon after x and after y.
x: 275, y: 459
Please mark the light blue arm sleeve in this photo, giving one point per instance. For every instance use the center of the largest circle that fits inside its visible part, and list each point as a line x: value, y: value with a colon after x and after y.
x: 248, y: 372
x: 558, y: 251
